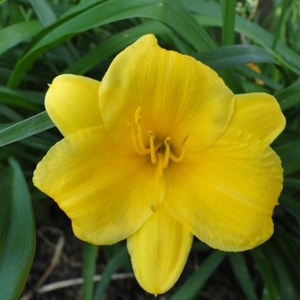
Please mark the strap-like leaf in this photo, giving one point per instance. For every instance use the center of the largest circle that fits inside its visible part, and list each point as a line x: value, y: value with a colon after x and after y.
x: 24, y: 129
x: 230, y: 56
x: 19, y: 242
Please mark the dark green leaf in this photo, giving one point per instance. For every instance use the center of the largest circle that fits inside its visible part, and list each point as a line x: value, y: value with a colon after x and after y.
x: 209, y: 14
x: 17, y: 33
x: 197, y: 280
x: 242, y: 275
x: 290, y: 156
x: 120, y: 258
x: 230, y: 56
x: 19, y: 243
x: 264, y: 263
x: 170, y: 12
x: 5, y: 203
x: 44, y: 12
x: 228, y: 20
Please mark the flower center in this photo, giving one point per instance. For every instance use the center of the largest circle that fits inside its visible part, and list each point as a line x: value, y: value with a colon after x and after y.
x: 160, y: 153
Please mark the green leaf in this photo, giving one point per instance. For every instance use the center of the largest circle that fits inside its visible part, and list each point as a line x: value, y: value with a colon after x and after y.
x: 119, y: 259
x: 230, y: 56
x: 249, y: 73
x: 265, y: 264
x: 19, y: 243
x: 17, y: 33
x: 197, y: 280
x: 44, y: 12
x: 209, y: 14
x: 242, y: 275
x: 228, y: 20
x: 5, y: 203
x: 10, y: 114
x: 290, y: 204
x: 24, y: 99
x: 283, y: 10
x: 24, y: 129
x: 276, y: 271
x: 290, y: 156
x: 114, y: 44
x: 89, y: 264
x: 169, y: 12
x: 47, y: 17
x: 227, y: 57
x: 289, y: 96
x: 292, y: 182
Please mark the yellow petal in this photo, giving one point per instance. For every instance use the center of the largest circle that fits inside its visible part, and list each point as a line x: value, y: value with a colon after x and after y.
x: 106, y: 192
x: 72, y: 103
x: 258, y: 114
x: 178, y: 95
x: 226, y: 194
x: 159, y: 250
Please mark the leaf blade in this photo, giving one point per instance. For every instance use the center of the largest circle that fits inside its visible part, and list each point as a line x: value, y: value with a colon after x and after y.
x: 19, y: 244
x: 25, y: 128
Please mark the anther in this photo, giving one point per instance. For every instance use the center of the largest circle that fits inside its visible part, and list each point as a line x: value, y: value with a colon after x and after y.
x: 138, y: 115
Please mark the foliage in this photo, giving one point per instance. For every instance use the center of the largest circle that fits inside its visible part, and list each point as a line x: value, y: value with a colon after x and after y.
x: 40, y: 39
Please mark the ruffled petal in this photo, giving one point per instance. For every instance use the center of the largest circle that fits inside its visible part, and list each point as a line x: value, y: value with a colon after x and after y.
x: 72, y: 103
x: 159, y: 250
x: 178, y: 96
x: 258, y: 114
x: 106, y: 192
x: 229, y: 192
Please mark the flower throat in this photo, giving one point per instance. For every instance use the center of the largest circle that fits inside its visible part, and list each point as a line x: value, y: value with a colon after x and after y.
x: 160, y: 153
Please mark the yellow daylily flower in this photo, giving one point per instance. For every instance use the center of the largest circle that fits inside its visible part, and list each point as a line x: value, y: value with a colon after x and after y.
x: 158, y: 152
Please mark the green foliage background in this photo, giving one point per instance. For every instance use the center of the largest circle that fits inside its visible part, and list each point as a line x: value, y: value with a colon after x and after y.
x: 40, y: 39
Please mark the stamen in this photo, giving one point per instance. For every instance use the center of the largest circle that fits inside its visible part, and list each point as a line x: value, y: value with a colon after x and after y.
x: 138, y: 117
x: 184, y: 140
x: 134, y: 142
x: 167, y: 152
x: 182, y: 154
x: 152, y: 148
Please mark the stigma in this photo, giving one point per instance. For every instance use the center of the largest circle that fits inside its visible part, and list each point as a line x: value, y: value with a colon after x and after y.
x: 159, y: 151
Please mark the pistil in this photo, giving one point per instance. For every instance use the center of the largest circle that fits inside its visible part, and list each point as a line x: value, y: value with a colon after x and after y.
x: 158, y: 179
